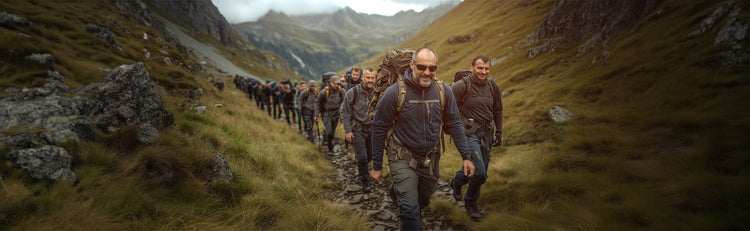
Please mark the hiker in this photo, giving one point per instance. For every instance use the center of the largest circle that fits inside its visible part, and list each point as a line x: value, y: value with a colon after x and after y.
x: 306, y: 103
x: 276, y: 100
x: 354, y: 80
x: 480, y: 104
x: 413, y: 136
x: 299, y: 88
x: 267, y: 97
x: 358, y: 125
x: 287, y: 103
x: 327, y: 105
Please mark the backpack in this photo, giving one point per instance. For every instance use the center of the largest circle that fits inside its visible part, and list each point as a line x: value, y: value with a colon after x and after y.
x: 324, y: 79
x: 307, y: 92
x: 341, y: 95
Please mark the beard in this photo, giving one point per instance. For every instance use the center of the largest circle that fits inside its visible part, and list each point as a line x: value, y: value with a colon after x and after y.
x: 368, y: 86
x: 425, y: 80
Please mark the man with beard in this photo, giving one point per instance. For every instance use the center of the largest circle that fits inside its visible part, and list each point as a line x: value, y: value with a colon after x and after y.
x: 480, y: 104
x: 413, y: 136
x: 327, y: 105
x: 358, y: 125
x: 306, y: 101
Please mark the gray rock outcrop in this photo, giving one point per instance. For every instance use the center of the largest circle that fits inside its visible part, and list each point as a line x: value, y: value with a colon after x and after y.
x: 102, y: 33
x: 571, y: 21
x: 47, y: 162
x: 201, y: 14
x: 220, y: 171
x: 559, y: 114
x: 9, y: 20
x: 45, y: 60
x: 47, y: 116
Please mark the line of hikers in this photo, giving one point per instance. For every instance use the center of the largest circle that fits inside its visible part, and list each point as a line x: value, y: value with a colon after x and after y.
x: 409, y: 119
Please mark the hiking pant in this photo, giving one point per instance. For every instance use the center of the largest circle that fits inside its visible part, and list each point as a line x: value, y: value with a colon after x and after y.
x: 479, y: 142
x: 286, y: 114
x: 362, y: 142
x: 331, y: 121
x: 276, y: 110
x: 307, y: 115
x: 413, y: 188
x: 267, y: 104
x: 299, y: 119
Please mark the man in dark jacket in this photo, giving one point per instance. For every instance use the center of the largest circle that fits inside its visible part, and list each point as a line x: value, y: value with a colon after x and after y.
x: 287, y: 103
x: 276, y: 100
x: 267, y: 96
x: 327, y: 105
x: 354, y: 80
x: 413, y: 143
x: 481, y: 105
x: 358, y: 125
x: 306, y: 101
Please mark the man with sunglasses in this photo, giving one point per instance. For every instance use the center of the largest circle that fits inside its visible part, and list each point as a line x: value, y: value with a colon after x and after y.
x: 413, y: 136
x: 480, y: 105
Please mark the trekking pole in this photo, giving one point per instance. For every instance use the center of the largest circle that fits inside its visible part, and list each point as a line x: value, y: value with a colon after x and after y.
x: 317, y: 131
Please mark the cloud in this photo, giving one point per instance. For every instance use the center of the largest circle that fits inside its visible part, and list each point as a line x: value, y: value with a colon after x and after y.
x: 237, y: 11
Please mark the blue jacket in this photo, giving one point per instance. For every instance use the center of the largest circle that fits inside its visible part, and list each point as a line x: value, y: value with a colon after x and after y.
x: 417, y: 126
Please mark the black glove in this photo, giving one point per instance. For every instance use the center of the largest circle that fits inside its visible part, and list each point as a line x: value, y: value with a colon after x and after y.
x: 498, y: 139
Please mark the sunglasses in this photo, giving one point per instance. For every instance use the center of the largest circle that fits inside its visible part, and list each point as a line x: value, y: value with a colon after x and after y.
x: 422, y: 67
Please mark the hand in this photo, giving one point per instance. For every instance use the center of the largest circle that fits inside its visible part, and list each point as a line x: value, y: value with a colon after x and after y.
x: 282, y: 106
x: 316, y: 119
x: 468, y: 168
x: 378, y: 175
x: 349, y: 136
x: 498, y: 139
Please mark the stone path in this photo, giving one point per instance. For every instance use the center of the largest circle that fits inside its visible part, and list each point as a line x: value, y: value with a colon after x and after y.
x: 377, y: 205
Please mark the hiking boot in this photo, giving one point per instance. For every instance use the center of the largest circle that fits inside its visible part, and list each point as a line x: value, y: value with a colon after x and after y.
x: 473, y: 211
x: 366, y: 187
x: 456, y: 191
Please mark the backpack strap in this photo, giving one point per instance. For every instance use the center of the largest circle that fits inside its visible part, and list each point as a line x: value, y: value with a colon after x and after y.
x: 401, y: 95
x: 356, y: 96
x: 467, y: 82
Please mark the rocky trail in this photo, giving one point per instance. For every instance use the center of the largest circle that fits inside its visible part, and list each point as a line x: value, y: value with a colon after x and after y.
x: 377, y: 205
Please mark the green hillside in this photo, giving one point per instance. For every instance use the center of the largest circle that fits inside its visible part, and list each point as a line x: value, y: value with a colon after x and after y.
x: 278, y: 177
x: 659, y: 138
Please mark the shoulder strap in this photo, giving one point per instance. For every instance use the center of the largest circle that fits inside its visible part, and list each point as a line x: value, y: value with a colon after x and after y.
x: 326, y: 88
x: 401, y: 95
x: 467, y: 82
x: 441, y: 93
x: 356, y: 95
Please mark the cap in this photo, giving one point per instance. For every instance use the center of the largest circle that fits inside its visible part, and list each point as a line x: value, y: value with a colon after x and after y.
x: 335, y: 79
x: 311, y: 82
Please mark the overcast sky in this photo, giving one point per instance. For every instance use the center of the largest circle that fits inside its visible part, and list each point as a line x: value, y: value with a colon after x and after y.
x: 236, y: 11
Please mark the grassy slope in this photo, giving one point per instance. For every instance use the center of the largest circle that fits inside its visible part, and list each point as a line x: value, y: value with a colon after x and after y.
x: 278, y: 179
x: 659, y: 139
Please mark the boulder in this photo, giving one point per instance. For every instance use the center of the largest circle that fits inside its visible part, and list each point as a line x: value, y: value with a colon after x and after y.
x: 47, y: 162
x: 8, y: 20
x: 559, y: 114
x: 220, y: 171
x: 147, y: 134
x: 127, y: 96
x: 45, y: 60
